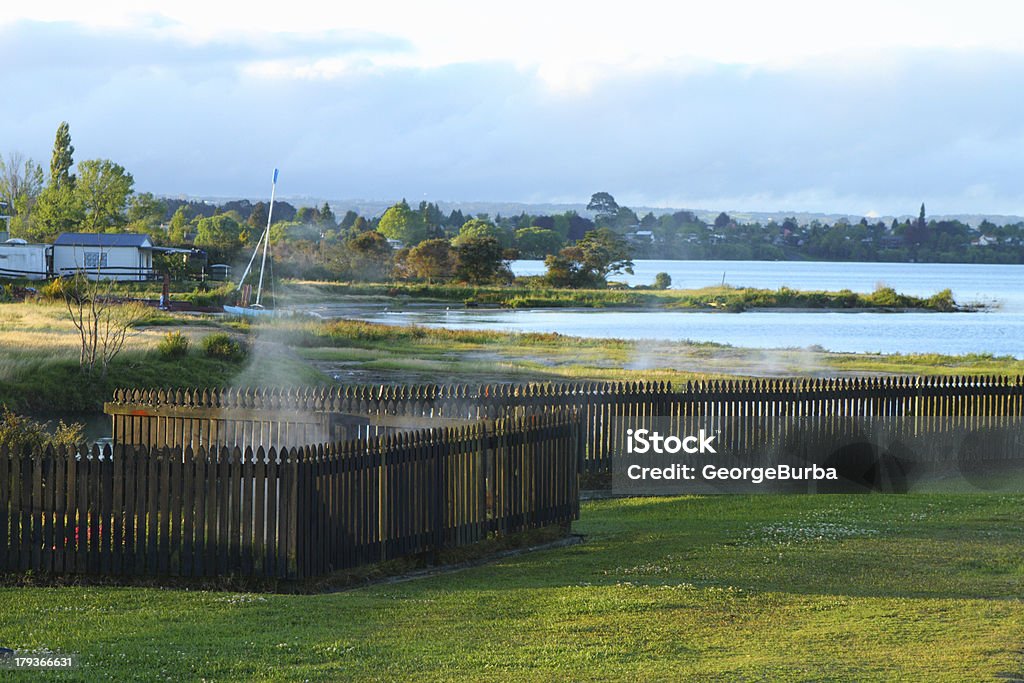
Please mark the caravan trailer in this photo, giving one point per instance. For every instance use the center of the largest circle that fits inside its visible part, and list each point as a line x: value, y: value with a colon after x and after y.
x: 19, y: 259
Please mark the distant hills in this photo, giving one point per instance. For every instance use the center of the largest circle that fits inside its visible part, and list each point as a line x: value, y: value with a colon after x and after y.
x: 375, y: 207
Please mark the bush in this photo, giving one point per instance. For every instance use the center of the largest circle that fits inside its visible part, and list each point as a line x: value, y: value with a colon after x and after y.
x: 173, y: 345
x: 53, y: 290
x: 942, y: 301
x: 886, y: 296
x: 211, y: 298
x: 662, y: 281
x: 223, y: 347
x: 17, y: 432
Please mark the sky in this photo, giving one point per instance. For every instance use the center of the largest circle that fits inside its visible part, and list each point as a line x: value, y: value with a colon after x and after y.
x: 862, y: 108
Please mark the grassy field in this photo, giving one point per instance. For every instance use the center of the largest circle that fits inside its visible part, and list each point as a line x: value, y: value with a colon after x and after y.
x: 39, y: 371
x: 915, y: 587
x: 40, y: 374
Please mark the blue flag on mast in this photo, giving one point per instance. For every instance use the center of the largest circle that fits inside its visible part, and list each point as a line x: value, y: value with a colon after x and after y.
x: 275, y: 176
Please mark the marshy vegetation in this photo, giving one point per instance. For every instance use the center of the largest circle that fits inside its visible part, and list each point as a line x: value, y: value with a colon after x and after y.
x: 40, y: 373
x: 530, y: 293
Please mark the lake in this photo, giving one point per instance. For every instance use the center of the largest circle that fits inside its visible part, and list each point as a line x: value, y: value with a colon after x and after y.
x: 998, y: 331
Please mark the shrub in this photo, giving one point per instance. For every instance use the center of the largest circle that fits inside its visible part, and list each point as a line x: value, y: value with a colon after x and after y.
x: 662, y: 281
x: 211, y: 297
x: 173, y: 345
x: 886, y: 296
x: 222, y: 346
x: 53, y: 290
x: 18, y: 432
x: 942, y: 301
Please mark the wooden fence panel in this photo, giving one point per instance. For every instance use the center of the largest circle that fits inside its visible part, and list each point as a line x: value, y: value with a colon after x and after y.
x: 193, y: 504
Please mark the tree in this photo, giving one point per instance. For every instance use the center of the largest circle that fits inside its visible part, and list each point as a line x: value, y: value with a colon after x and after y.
x: 179, y: 226
x: 475, y: 228
x: 258, y: 218
x: 624, y: 219
x: 62, y: 159
x: 21, y: 181
x: 104, y: 324
x: 348, y: 220
x: 455, y: 219
x: 103, y: 188
x: 722, y: 220
x: 146, y: 211
x: 590, y: 261
x: 403, y: 224
x: 294, y: 231
x: 606, y: 253
x: 327, y: 216
x: 603, y: 205
x: 537, y: 242
x: 431, y: 259
x: 481, y: 259
x: 662, y: 281
x: 221, y: 233
x: 369, y: 255
x: 308, y: 214
x: 432, y: 216
x: 59, y: 208
x: 916, y: 232
x: 576, y: 226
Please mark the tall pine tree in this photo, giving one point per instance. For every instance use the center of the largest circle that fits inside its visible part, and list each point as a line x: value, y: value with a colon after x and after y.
x: 62, y: 159
x: 59, y: 208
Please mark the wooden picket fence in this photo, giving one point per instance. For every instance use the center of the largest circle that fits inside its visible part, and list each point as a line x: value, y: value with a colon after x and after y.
x: 287, y: 514
x: 248, y: 417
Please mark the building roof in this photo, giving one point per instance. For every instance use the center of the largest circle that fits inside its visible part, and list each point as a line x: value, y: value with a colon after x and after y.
x: 99, y: 239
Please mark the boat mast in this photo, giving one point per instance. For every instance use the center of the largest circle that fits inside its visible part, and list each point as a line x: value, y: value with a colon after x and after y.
x: 266, y: 242
x: 245, y: 273
x: 264, y: 236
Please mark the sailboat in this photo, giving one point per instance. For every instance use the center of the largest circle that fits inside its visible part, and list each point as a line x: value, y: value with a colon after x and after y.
x: 256, y: 308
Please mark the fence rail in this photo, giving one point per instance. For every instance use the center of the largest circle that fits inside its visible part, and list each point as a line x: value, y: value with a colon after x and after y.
x: 230, y: 417
x: 292, y: 513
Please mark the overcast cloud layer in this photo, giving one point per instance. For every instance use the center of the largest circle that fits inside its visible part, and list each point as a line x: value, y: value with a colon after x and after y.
x: 352, y: 112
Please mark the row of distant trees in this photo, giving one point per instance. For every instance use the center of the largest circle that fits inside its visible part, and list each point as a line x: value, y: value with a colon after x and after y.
x: 683, y: 235
x: 98, y: 195
x: 424, y: 242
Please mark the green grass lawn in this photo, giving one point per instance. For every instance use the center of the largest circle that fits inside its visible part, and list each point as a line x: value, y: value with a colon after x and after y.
x: 916, y: 587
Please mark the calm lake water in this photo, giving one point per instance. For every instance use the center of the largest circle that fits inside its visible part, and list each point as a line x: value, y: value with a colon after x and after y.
x: 999, y: 331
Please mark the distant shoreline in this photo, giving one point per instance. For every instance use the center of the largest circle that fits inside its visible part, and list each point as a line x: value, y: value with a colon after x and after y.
x: 534, y: 296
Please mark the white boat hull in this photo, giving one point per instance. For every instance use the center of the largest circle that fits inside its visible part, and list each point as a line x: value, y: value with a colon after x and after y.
x: 253, y: 312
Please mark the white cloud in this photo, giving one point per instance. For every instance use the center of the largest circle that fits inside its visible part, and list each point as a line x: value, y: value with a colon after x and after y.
x: 557, y: 36
x: 716, y: 107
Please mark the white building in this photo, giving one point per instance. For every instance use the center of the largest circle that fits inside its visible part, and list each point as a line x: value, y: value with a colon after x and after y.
x: 122, y: 256
x: 18, y: 259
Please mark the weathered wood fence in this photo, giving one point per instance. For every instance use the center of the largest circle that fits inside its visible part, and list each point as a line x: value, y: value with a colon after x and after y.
x: 292, y: 513
x: 248, y: 417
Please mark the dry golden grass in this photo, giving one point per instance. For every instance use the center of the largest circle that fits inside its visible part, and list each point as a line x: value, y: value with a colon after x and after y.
x: 33, y: 334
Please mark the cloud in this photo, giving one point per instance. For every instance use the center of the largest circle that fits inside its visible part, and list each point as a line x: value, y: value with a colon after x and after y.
x: 70, y: 47
x: 345, y: 114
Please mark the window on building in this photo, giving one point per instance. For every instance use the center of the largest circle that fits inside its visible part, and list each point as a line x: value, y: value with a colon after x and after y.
x: 95, y: 259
